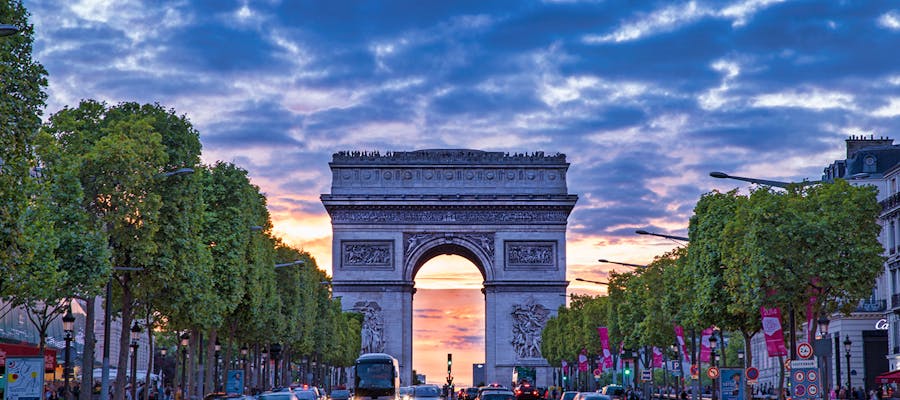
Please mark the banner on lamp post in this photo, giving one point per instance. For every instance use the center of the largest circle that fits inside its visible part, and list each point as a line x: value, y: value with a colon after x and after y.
x: 604, y: 346
x: 771, y: 326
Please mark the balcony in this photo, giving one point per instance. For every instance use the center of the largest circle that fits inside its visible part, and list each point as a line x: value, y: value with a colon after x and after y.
x: 873, y: 305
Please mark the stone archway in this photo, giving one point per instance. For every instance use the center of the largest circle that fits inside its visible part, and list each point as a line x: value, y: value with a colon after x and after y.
x: 507, y: 214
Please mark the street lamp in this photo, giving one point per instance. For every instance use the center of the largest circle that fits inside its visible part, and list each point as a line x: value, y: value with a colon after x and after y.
x: 783, y: 185
x: 218, y: 348
x: 590, y: 281
x: 264, y: 353
x: 135, y: 337
x: 68, y: 322
x: 603, y: 260
x: 712, y: 361
x: 670, y: 237
x: 823, y: 326
x: 7, y: 29
x: 288, y: 264
x: 185, y: 339
x: 847, y: 344
x: 244, y: 351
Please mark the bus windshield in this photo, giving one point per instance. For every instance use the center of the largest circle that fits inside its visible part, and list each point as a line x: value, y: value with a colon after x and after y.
x: 376, y: 376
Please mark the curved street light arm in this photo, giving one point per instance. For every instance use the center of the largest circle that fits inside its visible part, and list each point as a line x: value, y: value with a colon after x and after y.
x: 590, y: 281
x: 670, y: 237
x: 296, y: 262
x: 603, y: 260
x: 766, y: 182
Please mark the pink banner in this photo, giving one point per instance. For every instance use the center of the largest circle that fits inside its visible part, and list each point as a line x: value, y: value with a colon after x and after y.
x: 705, y: 348
x: 604, y: 345
x: 583, y: 361
x: 621, y: 355
x: 771, y: 326
x: 657, y: 357
x: 565, y: 367
x: 679, y: 335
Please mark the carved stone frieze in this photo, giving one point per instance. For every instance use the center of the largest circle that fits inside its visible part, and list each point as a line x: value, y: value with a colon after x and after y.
x: 526, y: 255
x: 377, y: 254
x: 481, y: 217
x: 529, y: 320
x: 448, y: 177
x: 483, y: 241
x: 445, y: 156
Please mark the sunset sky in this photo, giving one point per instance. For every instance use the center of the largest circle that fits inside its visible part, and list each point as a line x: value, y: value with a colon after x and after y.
x: 644, y: 97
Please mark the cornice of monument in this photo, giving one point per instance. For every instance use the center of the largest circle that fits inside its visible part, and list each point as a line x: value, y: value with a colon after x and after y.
x: 446, y: 156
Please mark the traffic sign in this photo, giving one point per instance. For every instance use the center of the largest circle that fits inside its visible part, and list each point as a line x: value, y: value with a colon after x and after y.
x: 712, y: 372
x: 597, y: 373
x: 787, y: 364
x: 804, y: 350
x: 752, y: 375
x: 695, y: 371
x: 646, y: 375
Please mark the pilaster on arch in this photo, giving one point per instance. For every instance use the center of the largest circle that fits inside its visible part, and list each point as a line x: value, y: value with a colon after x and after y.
x: 419, y: 247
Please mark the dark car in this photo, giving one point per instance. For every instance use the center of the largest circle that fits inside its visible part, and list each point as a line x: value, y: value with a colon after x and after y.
x: 471, y: 393
x: 527, y: 392
x: 340, y: 394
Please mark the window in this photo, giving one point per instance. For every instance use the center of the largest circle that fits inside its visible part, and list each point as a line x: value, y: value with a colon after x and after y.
x: 892, y: 243
x: 893, y: 185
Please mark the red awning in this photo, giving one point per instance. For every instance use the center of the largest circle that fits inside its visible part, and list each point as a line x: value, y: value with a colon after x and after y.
x: 888, y: 377
x: 18, y: 350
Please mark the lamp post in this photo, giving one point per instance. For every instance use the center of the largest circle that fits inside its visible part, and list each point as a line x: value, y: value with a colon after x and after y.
x: 218, y: 348
x: 185, y: 339
x: 135, y: 336
x: 68, y: 322
x: 264, y: 354
x: 244, y: 351
x: 847, y: 344
x: 823, y: 323
x: 712, y: 360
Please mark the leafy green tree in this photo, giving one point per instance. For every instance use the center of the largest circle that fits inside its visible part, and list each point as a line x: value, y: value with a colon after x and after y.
x: 22, y: 82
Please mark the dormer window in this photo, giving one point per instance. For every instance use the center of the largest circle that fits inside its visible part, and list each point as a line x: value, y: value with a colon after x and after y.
x: 869, y: 163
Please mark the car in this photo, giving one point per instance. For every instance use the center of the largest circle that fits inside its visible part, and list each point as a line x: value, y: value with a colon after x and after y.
x: 306, y: 394
x: 277, y: 396
x: 568, y: 395
x: 340, y: 394
x: 615, y: 392
x: 471, y: 393
x: 491, y: 387
x: 498, y: 395
x: 405, y: 392
x: 591, y: 396
x: 426, y: 392
x: 527, y: 392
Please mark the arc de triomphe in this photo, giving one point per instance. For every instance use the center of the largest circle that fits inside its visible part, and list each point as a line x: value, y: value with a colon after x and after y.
x: 506, y: 213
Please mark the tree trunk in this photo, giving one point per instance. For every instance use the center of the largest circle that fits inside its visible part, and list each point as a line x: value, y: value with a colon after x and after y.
x: 124, y: 339
x: 210, y: 362
x: 87, y: 359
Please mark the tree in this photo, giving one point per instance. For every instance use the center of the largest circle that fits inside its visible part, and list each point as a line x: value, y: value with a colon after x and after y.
x: 22, y: 82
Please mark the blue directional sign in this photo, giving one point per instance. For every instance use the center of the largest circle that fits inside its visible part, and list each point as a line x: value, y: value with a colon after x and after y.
x: 234, y: 384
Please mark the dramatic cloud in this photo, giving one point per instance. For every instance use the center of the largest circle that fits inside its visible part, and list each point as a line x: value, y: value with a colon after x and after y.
x: 645, y: 99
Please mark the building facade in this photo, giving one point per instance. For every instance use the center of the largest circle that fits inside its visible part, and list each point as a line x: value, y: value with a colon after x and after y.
x: 873, y: 329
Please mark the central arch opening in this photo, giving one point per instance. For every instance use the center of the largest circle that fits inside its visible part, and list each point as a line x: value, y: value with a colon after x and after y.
x: 448, y: 317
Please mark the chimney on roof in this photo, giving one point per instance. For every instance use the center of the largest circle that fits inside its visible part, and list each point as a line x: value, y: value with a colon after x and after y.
x: 857, y: 143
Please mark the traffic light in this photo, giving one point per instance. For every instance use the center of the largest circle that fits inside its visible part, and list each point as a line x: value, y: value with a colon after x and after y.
x: 627, y: 368
x: 449, y: 363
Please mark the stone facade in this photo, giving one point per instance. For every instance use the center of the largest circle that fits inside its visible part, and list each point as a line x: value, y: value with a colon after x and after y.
x: 506, y: 213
